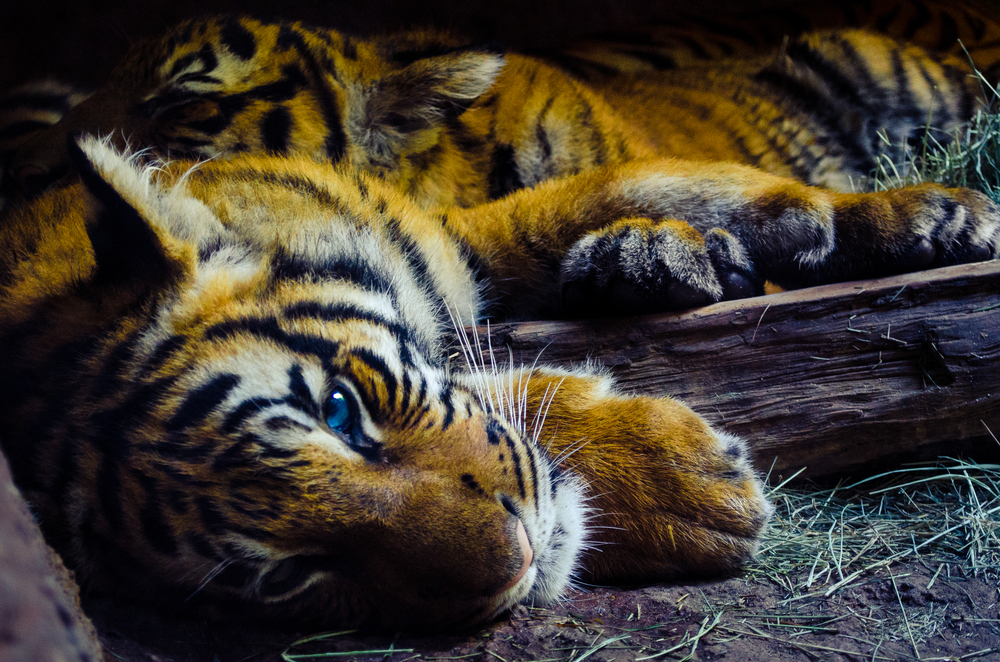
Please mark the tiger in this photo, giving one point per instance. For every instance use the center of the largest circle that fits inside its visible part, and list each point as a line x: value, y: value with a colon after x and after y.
x: 230, y: 381
x: 23, y: 112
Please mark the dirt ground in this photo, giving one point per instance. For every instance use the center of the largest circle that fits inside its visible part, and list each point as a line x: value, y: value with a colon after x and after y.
x: 906, y: 611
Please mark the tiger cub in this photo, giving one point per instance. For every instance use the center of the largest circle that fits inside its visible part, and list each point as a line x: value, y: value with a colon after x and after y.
x: 226, y: 386
x: 452, y: 125
x: 227, y: 383
x: 25, y: 111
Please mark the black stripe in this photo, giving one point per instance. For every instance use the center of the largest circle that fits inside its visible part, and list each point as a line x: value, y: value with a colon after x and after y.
x: 421, y: 273
x: 301, y: 185
x: 336, y: 140
x: 414, y: 416
x: 245, y: 410
x: 419, y: 406
x: 504, y: 177
x: 378, y: 364
x: 178, y: 142
x: 201, y: 546
x: 288, y: 38
x: 405, y: 394
x: 268, y: 329
x: 155, y: 527
x: 922, y: 18
x: 351, y: 268
x: 791, y: 93
x: 163, y: 352
x: 949, y: 32
x: 209, y: 61
x: 495, y: 433
x: 176, y: 499
x: 659, y: 61
x: 447, y: 397
x: 283, y: 89
x: 349, y: 313
x: 201, y: 402
x: 214, y: 521
x: 542, y: 138
x: 301, y: 396
x: 113, y: 428
x: 939, y: 112
x: 977, y: 25
x: 580, y: 68
x: 199, y: 78
x: 238, y: 39
x: 598, y: 148
x: 276, y: 130
x: 212, y: 125
x: 884, y: 21
x: 269, y: 450
x: 827, y: 71
x: 285, y: 424
x: 168, y: 106
x: 181, y: 63
x: 236, y: 456
x: 108, y: 380
x: 905, y: 105
x: 532, y: 452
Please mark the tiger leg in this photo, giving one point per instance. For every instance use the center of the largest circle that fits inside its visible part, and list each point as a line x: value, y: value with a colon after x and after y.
x: 669, y: 495
x: 668, y: 234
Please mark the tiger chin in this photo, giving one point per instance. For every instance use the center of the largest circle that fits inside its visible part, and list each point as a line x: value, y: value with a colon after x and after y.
x: 215, y: 400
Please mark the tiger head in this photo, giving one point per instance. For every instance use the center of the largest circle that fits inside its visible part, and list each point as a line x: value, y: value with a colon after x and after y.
x: 228, y: 385
x: 228, y: 85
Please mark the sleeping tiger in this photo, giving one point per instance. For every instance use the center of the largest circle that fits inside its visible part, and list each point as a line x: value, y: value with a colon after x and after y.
x: 231, y: 384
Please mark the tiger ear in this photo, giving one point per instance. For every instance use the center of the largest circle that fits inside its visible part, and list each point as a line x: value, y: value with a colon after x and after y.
x: 129, y: 248
x: 402, y: 111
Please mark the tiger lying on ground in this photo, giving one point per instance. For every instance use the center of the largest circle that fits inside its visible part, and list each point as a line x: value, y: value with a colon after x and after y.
x: 229, y: 384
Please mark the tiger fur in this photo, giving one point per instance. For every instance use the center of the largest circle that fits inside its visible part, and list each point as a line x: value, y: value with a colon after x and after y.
x: 24, y: 111
x: 227, y: 384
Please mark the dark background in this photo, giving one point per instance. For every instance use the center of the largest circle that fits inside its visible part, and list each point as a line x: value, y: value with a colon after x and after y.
x: 80, y: 41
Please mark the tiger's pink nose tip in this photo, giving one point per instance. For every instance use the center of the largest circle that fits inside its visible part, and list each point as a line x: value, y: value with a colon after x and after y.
x: 526, y: 556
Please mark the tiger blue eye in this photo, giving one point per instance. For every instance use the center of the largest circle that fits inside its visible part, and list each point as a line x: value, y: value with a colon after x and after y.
x: 338, y: 411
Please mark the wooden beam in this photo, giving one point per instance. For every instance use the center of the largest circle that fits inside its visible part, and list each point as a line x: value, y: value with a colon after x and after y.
x: 844, y: 377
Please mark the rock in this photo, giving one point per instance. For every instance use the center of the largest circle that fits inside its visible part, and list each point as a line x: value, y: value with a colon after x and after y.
x: 40, y: 615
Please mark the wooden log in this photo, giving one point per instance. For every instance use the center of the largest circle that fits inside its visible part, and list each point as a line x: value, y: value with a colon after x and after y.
x: 840, y: 378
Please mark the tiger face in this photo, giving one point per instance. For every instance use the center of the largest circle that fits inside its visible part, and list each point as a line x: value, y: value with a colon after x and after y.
x: 233, y: 85
x: 252, y: 421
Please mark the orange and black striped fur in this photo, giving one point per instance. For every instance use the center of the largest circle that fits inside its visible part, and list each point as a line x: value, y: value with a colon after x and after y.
x: 227, y: 383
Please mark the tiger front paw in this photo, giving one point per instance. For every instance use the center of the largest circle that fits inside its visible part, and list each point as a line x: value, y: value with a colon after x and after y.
x: 638, y: 266
x: 670, y: 496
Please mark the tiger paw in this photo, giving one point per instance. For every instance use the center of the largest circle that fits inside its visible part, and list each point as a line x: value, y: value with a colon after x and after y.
x: 941, y: 227
x: 637, y: 266
x: 670, y: 496
x: 898, y: 231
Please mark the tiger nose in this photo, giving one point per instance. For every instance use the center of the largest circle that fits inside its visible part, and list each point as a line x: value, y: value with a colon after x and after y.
x: 526, y: 557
